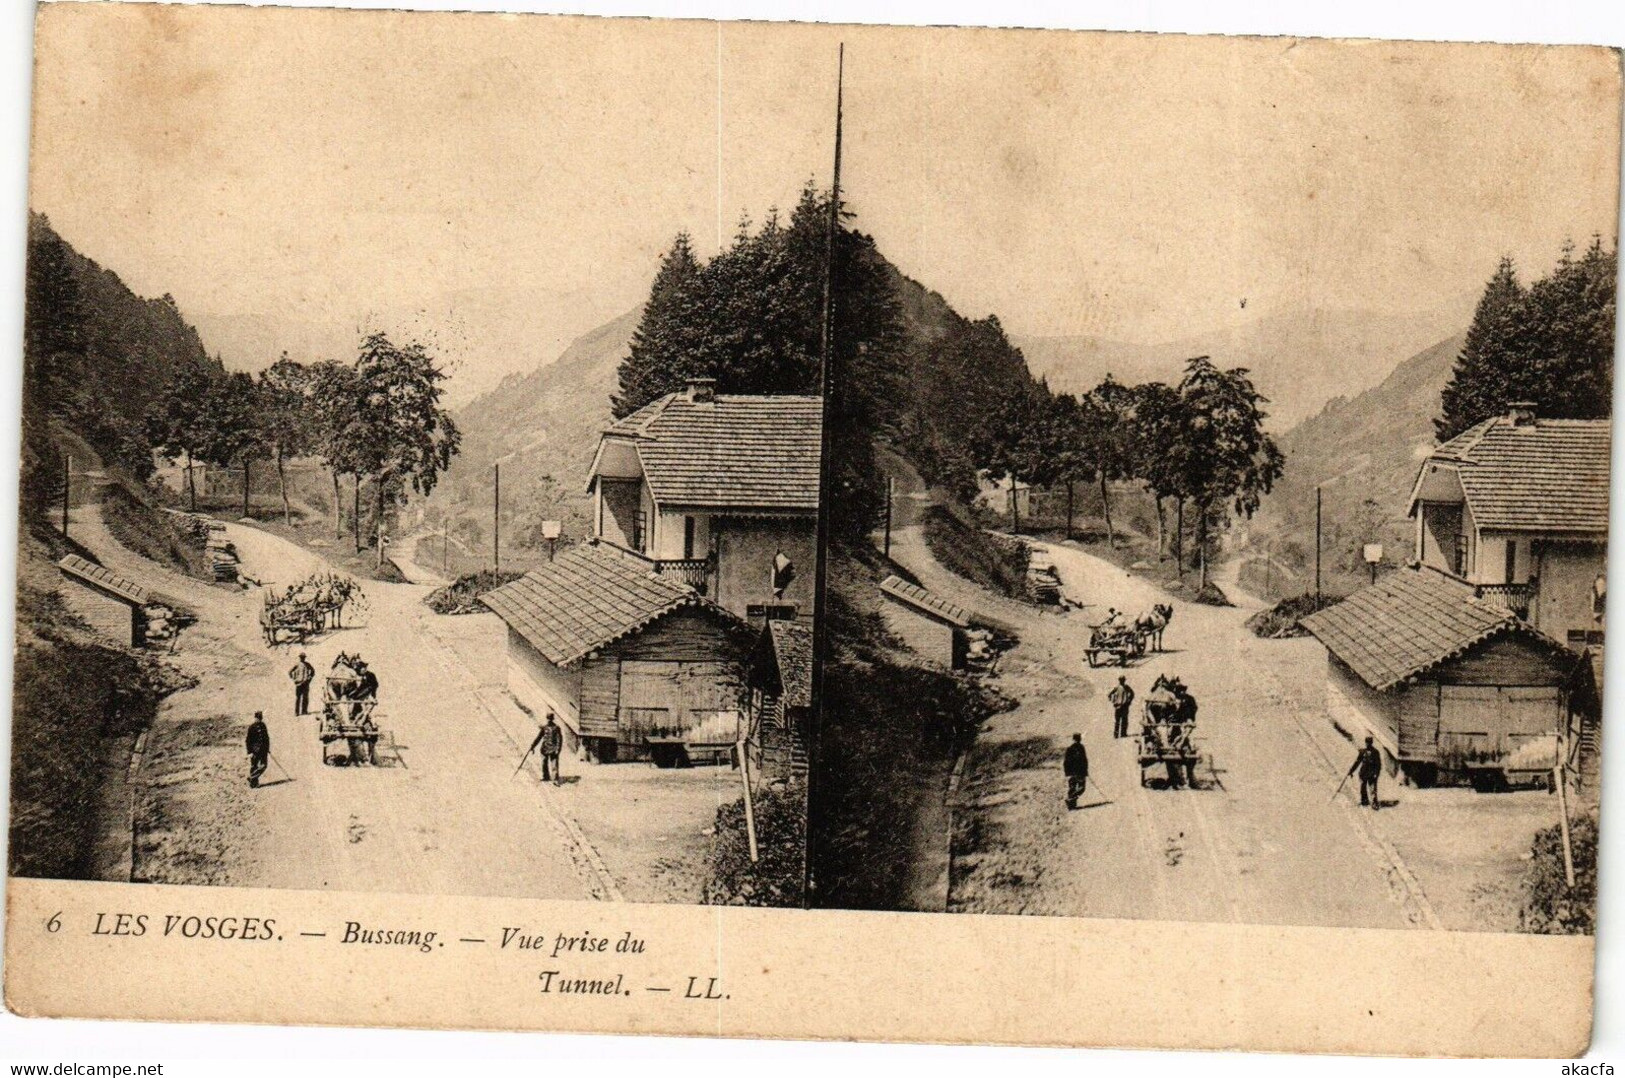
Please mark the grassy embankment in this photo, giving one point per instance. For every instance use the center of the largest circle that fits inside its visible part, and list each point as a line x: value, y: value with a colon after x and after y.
x: 888, y: 736
x: 137, y: 522
x: 996, y: 562
x: 78, y: 703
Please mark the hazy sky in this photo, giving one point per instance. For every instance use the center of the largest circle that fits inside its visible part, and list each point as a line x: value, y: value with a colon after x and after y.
x: 509, y: 182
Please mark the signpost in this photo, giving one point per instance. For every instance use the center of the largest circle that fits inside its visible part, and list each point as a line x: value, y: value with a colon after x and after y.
x: 1373, y: 558
x: 551, y: 530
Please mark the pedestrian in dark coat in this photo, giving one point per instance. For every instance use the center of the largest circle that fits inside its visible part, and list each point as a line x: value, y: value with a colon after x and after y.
x: 1075, y: 764
x: 302, y: 674
x: 1368, y: 762
x: 258, y: 744
x: 549, y: 745
x: 1121, y: 698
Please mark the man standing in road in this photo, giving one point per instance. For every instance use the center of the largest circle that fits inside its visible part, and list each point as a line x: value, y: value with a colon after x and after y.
x: 258, y: 743
x: 302, y: 674
x: 1121, y: 697
x: 1368, y: 762
x: 549, y: 744
x: 1075, y: 764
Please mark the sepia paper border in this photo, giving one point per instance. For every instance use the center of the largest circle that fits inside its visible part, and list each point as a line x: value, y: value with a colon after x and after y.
x: 792, y: 974
x: 943, y: 978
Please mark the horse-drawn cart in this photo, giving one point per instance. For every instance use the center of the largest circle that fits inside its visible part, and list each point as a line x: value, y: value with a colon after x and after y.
x: 282, y: 621
x: 1167, y: 735
x: 307, y: 607
x: 348, y: 724
x: 1114, y: 642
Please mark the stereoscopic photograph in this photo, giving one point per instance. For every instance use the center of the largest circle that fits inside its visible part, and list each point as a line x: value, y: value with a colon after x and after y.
x: 1130, y: 478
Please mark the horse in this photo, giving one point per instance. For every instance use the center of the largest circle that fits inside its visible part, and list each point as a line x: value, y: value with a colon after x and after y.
x: 1152, y: 624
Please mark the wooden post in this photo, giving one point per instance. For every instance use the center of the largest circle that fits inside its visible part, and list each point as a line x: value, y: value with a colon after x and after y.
x: 1560, y: 773
x: 1317, y: 548
x: 890, y: 493
x: 67, y: 487
x: 1069, y: 509
x: 750, y: 805
x: 445, y: 545
x: 496, y: 518
x: 355, y: 506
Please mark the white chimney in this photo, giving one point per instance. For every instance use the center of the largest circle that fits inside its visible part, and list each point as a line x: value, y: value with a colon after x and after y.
x: 1522, y: 413
x: 702, y: 390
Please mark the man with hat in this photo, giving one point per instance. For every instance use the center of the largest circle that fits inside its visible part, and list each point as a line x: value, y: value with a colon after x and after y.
x: 1075, y: 765
x: 1368, y: 762
x: 302, y: 674
x: 258, y: 744
x: 1121, y: 698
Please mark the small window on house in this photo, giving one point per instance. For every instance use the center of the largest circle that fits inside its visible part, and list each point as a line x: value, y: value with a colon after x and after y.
x: 1460, y: 565
x: 688, y: 537
x: 639, y: 531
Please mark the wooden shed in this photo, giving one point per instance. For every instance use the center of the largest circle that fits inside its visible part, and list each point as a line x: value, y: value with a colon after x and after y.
x: 930, y: 625
x: 620, y: 654
x: 780, y: 702
x: 1449, y: 682
x: 111, y: 603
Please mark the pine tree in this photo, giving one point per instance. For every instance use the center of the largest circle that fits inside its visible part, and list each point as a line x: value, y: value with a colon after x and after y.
x: 660, y: 357
x: 1551, y: 343
x: 1477, y: 388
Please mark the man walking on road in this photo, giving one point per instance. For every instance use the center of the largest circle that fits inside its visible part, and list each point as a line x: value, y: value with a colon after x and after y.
x: 302, y: 674
x: 1369, y: 764
x: 1075, y: 764
x: 1121, y: 697
x: 549, y: 744
x: 258, y: 743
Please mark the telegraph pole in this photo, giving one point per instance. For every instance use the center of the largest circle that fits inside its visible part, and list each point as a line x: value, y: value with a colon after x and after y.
x: 496, y: 518
x: 1317, y: 548
x: 826, y: 380
x: 890, y: 494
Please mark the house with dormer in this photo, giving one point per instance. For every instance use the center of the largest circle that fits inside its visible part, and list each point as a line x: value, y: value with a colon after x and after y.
x: 644, y: 638
x: 719, y: 491
x: 1517, y: 506
x: 1482, y: 657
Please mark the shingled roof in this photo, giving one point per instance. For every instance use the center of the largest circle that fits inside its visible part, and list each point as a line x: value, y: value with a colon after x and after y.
x: 792, y: 653
x: 1409, y: 622
x: 925, y: 602
x: 731, y: 452
x: 104, y: 581
x: 588, y: 597
x: 1549, y: 475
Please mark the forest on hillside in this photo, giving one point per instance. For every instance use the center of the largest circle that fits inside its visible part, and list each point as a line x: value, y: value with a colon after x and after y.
x: 1549, y: 341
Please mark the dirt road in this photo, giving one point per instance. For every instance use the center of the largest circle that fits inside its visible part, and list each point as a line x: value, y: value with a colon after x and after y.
x: 450, y: 817
x: 1261, y: 842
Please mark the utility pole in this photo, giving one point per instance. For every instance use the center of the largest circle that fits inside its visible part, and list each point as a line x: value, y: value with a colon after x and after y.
x: 826, y: 380
x: 1317, y: 548
x: 496, y: 519
x: 67, y: 485
x: 890, y: 488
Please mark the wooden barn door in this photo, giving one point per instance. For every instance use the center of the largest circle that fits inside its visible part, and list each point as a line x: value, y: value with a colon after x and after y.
x: 666, y: 699
x: 1486, y: 726
x: 1469, y: 725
